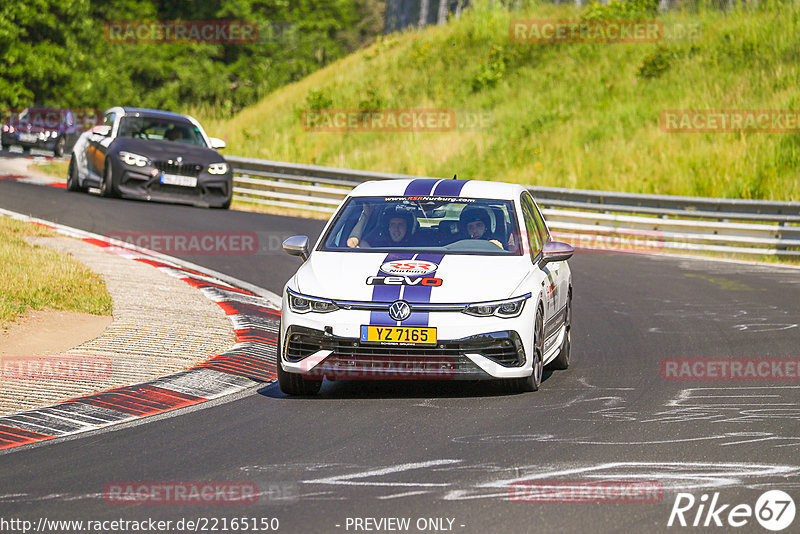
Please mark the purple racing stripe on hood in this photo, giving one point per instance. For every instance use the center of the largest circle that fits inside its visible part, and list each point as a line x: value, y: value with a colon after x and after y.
x: 386, y: 293
x: 420, y: 294
x: 390, y: 293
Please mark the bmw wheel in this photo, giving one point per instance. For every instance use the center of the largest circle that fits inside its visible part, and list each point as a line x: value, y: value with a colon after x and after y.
x: 73, y: 184
x: 107, y: 184
x: 58, y: 149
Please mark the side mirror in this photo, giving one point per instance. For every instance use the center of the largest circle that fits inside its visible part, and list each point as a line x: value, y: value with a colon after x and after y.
x: 297, y: 245
x: 216, y: 143
x: 103, y: 130
x: 556, y: 251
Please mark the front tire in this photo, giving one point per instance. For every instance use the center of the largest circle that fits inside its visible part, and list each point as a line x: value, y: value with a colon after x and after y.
x: 58, y: 149
x: 107, y: 184
x: 532, y: 382
x: 294, y: 383
x: 73, y: 184
x: 225, y: 205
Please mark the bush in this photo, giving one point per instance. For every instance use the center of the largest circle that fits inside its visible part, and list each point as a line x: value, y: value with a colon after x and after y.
x: 656, y: 63
x: 491, y: 71
x: 318, y: 99
x: 621, y: 9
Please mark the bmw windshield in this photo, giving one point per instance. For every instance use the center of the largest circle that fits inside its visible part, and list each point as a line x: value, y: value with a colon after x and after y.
x: 161, y: 129
x: 425, y: 224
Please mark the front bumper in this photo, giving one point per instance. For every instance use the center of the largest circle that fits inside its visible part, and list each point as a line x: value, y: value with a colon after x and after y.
x: 145, y: 183
x: 44, y: 143
x: 317, y: 354
x: 467, y: 348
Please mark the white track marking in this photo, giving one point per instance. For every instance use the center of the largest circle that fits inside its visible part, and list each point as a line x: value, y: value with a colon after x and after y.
x: 349, y: 480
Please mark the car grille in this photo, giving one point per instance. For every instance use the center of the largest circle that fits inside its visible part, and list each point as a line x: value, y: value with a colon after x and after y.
x: 502, y: 347
x: 181, y: 169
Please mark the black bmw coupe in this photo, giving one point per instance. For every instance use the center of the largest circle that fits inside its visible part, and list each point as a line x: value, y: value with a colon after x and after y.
x: 151, y: 155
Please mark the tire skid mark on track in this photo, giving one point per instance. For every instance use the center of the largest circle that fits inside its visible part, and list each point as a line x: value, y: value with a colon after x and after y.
x: 493, y: 482
x: 249, y: 362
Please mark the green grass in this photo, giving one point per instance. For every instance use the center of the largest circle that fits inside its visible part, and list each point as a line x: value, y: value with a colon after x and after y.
x: 54, y: 168
x: 34, y: 277
x: 569, y: 115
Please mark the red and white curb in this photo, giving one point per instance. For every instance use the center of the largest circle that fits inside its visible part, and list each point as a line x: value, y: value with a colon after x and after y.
x: 17, y: 174
x: 35, y: 180
x: 254, y: 312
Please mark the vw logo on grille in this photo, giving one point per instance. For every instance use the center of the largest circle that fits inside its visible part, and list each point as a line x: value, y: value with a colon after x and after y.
x: 399, y: 310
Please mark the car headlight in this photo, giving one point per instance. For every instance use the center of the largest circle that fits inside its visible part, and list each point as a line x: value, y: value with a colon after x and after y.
x: 218, y: 168
x: 499, y: 308
x: 135, y: 160
x: 300, y: 303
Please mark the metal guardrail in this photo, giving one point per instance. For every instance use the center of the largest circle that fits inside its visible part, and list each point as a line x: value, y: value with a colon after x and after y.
x: 594, y: 219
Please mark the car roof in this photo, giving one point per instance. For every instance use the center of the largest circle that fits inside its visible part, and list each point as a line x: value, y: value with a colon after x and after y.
x: 154, y: 113
x: 38, y: 108
x: 469, y: 189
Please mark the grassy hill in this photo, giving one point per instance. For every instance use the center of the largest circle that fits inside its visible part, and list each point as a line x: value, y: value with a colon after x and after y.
x: 581, y: 115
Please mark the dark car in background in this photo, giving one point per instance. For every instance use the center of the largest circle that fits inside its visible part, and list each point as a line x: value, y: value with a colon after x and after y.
x: 151, y: 155
x: 55, y: 129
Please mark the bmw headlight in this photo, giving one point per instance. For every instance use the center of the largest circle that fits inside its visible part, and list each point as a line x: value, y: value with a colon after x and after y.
x: 218, y: 168
x: 499, y: 308
x: 134, y: 160
x: 300, y: 303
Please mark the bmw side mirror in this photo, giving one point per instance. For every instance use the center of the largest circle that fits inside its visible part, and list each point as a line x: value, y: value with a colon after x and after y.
x: 103, y: 130
x: 297, y: 245
x: 216, y: 143
x: 556, y: 251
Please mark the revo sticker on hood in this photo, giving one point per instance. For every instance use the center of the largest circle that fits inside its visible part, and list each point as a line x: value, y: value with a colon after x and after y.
x: 409, y: 267
x: 403, y: 281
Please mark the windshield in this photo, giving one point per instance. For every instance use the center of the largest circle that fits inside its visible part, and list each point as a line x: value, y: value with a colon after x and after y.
x: 425, y: 224
x: 161, y: 129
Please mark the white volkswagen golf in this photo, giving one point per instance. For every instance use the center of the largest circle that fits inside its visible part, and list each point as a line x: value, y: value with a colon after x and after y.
x: 427, y: 279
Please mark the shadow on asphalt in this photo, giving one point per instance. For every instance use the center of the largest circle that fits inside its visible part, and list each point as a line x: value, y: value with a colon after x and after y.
x: 402, y: 389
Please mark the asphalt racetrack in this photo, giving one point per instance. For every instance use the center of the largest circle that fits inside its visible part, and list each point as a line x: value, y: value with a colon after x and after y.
x: 444, y: 454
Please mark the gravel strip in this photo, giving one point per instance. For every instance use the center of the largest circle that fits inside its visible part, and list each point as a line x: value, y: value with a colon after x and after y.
x: 161, y: 325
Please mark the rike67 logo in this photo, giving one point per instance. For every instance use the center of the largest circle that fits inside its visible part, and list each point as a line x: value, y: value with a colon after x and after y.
x: 774, y: 510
